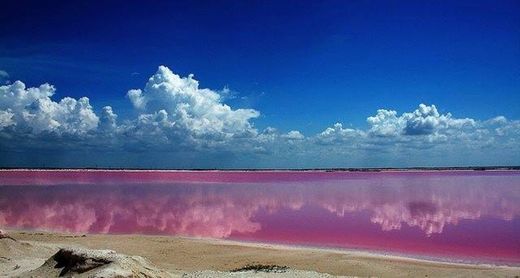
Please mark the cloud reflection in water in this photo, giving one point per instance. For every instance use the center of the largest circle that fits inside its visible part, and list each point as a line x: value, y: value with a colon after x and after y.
x: 408, y: 205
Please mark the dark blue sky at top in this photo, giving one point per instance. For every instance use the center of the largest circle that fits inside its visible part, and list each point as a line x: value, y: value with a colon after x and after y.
x: 303, y: 64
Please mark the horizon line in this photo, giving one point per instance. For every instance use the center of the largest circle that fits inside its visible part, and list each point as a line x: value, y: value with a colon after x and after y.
x: 332, y: 169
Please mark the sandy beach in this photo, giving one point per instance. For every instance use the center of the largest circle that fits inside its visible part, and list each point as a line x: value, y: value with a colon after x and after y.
x: 179, y: 256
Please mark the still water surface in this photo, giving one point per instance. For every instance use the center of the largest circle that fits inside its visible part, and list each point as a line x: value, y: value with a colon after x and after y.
x: 470, y: 216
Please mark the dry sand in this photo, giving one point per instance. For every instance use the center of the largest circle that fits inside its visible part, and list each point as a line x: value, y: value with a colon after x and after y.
x: 210, y: 258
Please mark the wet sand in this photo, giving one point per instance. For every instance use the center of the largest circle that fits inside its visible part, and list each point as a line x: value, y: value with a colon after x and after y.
x: 179, y: 255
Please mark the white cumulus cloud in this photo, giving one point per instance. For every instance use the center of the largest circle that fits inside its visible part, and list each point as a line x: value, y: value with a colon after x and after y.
x: 425, y: 120
x: 198, y: 112
x: 385, y: 123
x: 293, y: 135
x: 108, y: 119
x: 32, y: 110
x: 338, y: 134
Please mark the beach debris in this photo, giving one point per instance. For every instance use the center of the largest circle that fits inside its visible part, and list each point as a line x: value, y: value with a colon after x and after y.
x: 262, y: 268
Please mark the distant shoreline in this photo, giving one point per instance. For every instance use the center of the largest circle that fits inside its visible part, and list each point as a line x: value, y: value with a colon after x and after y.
x: 405, y: 169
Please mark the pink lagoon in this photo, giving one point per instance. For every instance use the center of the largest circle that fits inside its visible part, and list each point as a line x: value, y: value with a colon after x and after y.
x: 464, y: 216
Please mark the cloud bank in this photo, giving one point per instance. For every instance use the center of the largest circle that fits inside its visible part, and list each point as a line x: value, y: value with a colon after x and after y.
x: 179, y: 124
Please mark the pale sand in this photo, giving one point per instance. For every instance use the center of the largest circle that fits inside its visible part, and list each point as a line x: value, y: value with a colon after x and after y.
x: 179, y: 255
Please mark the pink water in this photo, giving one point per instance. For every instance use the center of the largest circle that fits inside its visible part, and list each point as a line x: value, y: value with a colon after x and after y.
x: 470, y: 216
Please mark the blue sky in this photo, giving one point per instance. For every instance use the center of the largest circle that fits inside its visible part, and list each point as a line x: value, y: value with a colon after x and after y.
x: 303, y: 65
